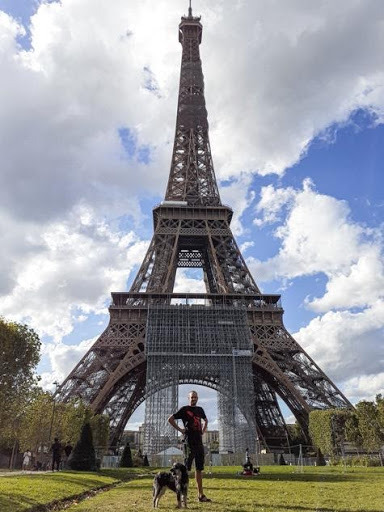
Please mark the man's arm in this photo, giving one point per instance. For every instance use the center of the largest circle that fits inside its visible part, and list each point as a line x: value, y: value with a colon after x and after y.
x: 205, y: 425
x: 172, y: 421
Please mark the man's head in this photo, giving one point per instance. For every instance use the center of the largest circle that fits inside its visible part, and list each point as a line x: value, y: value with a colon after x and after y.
x: 192, y: 398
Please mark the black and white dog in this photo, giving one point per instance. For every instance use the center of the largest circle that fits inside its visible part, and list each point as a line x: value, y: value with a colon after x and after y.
x: 176, y: 480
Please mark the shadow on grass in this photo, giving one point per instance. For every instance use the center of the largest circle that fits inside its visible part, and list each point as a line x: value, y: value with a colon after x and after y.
x: 13, y: 502
x: 293, y: 477
x: 314, y: 509
x: 73, y: 478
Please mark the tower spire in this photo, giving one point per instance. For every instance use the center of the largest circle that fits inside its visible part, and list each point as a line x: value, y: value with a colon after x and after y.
x: 190, y: 9
x: 192, y: 178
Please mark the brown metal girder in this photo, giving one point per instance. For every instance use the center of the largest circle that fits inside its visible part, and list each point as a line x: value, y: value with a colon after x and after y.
x: 171, y: 274
x: 264, y: 360
x: 267, y: 396
x: 141, y: 275
x: 73, y: 374
x: 312, y: 367
x: 301, y: 415
x: 205, y: 213
x: 230, y: 248
x: 219, y: 277
x: 128, y: 363
x: 164, y: 247
x: 191, y: 163
x: 131, y: 406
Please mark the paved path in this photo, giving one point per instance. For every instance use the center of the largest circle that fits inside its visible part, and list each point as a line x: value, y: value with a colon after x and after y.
x: 20, y: 472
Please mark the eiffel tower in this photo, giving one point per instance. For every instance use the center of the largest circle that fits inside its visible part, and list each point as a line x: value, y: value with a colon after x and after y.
x: 231, y: 338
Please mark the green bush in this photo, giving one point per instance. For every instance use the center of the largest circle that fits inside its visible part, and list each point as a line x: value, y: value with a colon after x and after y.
x: 83, y: 456
x: 357, y: 461
x: 126, y: 458
x: 327, y: 429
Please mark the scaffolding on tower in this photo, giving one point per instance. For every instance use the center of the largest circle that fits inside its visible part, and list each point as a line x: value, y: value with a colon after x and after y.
x: 208, y: 345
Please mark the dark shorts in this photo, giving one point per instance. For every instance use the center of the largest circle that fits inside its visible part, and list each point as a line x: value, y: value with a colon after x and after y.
x: 194, y: 452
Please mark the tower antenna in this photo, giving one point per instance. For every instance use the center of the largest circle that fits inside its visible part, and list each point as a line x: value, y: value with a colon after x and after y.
x: 190, y: 9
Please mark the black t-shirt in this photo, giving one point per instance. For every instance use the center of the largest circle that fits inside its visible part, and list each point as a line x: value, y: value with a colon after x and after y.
x: 56, y: 449
x: 191, y: 418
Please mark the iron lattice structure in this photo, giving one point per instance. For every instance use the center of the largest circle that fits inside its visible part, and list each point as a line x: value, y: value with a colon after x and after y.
x: 151, y: 345
x: 208, y: 343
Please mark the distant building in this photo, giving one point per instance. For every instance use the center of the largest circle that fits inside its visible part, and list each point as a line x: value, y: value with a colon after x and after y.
x: 211, y: 437
x: 136, y: 438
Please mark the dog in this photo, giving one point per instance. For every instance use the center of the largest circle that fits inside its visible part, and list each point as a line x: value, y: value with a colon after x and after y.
x: 176, y: 479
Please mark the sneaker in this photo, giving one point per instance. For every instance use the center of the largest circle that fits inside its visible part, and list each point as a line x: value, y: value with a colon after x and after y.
x: 204, y: 499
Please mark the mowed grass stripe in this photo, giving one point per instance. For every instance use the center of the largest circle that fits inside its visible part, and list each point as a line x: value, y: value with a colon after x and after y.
x: 23, y: 492
x: 276, y: 489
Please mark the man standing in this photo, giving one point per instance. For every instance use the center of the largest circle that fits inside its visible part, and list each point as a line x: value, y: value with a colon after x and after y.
x: 56, y: 454
x: 192, y: 416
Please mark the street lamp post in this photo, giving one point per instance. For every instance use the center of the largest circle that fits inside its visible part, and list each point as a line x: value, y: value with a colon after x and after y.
x: 53, y: 410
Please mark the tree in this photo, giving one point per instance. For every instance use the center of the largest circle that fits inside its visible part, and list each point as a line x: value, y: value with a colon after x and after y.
x: 83, y: 455
x: 296, y: 435
x: 126, y: 458
x: 380, y: 410
x: 327, y: 429
x: 369, y: 427
x: 45, y: 418
x: 100, y: 429
x: 36, y: 422
x: 352, y: 431
x: 19, y: 356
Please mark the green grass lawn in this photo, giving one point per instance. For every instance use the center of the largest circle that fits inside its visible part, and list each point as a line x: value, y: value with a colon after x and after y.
x: 278, y: 488
x: 22, y: 492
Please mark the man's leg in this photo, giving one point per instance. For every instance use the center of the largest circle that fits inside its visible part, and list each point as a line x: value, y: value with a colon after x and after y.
x: 199, y: 483
x: 199, y: 464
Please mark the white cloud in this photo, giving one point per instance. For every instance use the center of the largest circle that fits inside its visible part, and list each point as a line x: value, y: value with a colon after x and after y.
x: 359, y: 286
x: 319, y: 236
x: 63, y: 358
x: 290, y: 72
x: 68, y: 268
x: 245, y: 246
x: 185, y: 282
x: 344, y: 343
x: 272, y: 201
x: 365, y: 387
x: 239, y: 197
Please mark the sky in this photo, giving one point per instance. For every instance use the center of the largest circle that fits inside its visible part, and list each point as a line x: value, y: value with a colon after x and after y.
x: 295, y: 98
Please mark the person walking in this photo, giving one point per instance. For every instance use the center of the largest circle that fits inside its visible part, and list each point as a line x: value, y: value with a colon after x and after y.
x: 26, y: 459
x: 67, y: 450
x: 195, y: 424
x: 56, y: 454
